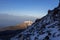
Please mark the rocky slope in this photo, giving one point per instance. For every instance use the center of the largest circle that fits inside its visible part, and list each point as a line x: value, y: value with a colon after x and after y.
x: 46, y: 28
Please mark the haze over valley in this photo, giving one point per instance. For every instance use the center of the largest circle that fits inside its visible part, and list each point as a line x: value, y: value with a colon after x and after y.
x: 10, y: 20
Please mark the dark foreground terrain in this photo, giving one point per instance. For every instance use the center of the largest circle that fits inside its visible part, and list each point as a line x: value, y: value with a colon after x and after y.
x: 6, y: 35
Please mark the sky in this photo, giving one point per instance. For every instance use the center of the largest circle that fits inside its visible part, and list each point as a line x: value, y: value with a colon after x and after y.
x: 36, y: 8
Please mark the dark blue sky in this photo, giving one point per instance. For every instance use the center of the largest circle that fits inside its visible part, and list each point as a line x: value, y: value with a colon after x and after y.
x: 37, y: 8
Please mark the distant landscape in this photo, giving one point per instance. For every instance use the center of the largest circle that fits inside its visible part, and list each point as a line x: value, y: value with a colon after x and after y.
x: 10, y: 20
x: 12, y: 25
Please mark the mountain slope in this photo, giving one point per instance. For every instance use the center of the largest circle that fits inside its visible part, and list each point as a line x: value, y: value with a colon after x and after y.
x: 46, y: 28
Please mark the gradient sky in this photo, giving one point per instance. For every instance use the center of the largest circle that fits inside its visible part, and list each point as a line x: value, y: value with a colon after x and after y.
x: 37, y: 8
